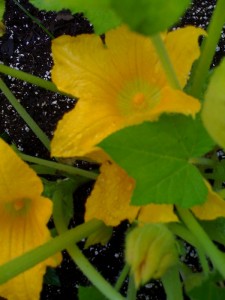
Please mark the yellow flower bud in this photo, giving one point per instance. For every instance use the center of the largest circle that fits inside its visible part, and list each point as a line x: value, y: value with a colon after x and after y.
x: 150, y: 250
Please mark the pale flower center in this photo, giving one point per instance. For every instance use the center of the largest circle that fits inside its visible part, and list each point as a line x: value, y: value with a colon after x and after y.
x: 18, y: 206
x: 138, y: 97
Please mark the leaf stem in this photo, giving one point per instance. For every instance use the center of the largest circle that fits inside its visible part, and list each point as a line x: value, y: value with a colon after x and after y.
x: 24, y: 115
x: 201, y: 161
x: 217, y: 257
x: 172, y: 284
x: 208, y: 47
x: 165, y: 61
x: 58, y: 166
x: 33, y: 257
x: 82, y: 262
x: 48, y: 85
x: 131, y: 292
x: 187, y: 236
x: 122, y: 277
x: 35, y: 20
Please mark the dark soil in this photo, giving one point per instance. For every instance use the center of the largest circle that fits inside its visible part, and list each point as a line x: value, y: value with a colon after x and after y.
x: 26, y: 46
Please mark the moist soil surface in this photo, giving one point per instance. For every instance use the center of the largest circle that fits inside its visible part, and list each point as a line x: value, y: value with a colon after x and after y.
x: 25, y: 46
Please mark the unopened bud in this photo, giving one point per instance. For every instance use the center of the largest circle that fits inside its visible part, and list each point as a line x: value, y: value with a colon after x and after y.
x: 150, y: 250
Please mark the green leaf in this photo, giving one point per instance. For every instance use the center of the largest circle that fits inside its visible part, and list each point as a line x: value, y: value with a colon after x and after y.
x: 98, y: 12
x: 215, y: 229
x: 208, y: 290
x: 150, y: 16
x: 213, y: 112
x: 86, y: 293
x: 157, y: 155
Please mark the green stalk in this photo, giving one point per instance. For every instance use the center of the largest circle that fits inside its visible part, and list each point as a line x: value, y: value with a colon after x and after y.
x: 172, y: 284
x: 33, y: 257
x: 35, y: 20
x: 131, y: 292
x: 48, y: 85
x: 208, y: 48
x: 24, y: 115
x: 202, y: 161
x: 165, y: 61
x: 122, y: 277
x: 187, y: 236
x: 58, y: 166
x: 217, y: 257
x: 81, y: 261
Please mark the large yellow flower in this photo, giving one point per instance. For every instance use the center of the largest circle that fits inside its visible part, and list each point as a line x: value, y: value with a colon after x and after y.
x: 118, y: 84
x: 24, y: 214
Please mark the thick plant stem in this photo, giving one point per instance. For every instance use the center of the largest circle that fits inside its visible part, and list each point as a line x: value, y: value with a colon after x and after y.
x: 172, y: 284
x: 39, y: 254
x: 186, y: 235
x: 131, y: 292
x: 48, y: 85
x: 208, y: 48
x: 217, y: 257
x: 165, y: 61
x: 24, y: 115
x: 58, y: 166
x: 78, y: 257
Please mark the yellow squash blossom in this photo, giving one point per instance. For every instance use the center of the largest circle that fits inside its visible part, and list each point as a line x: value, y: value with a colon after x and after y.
x: 120, y: 83
x: 24, y: 214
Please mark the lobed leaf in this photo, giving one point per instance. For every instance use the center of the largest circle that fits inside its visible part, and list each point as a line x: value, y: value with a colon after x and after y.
x: 158, y: 155
x: 150, y: 16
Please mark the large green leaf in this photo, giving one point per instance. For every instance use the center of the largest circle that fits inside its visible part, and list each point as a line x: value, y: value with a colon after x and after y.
x: 150, y: 16
x: 213, y: 113
x: 98, y: 12
x: 158, y: 155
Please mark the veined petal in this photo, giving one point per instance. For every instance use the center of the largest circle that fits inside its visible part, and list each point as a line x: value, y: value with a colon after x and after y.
x: 16, y: 178
x: 213, y: 208
x: 23, y: 219
x: 157, y: 213
x: 126, y: 56
x: 83, y: 127
x: 183, y: 48
x: 175, y: 101
x: 110, y: 199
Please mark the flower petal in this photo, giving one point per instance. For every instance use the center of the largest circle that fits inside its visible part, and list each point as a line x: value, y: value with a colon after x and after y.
x: 23, y: 219
x: 213, y: 208
x: 110, y: 199
x: 103, y: 73
x: 175, y: 101
x: 183, y: 49
x: 82, y: 128
x: 155, y: 213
